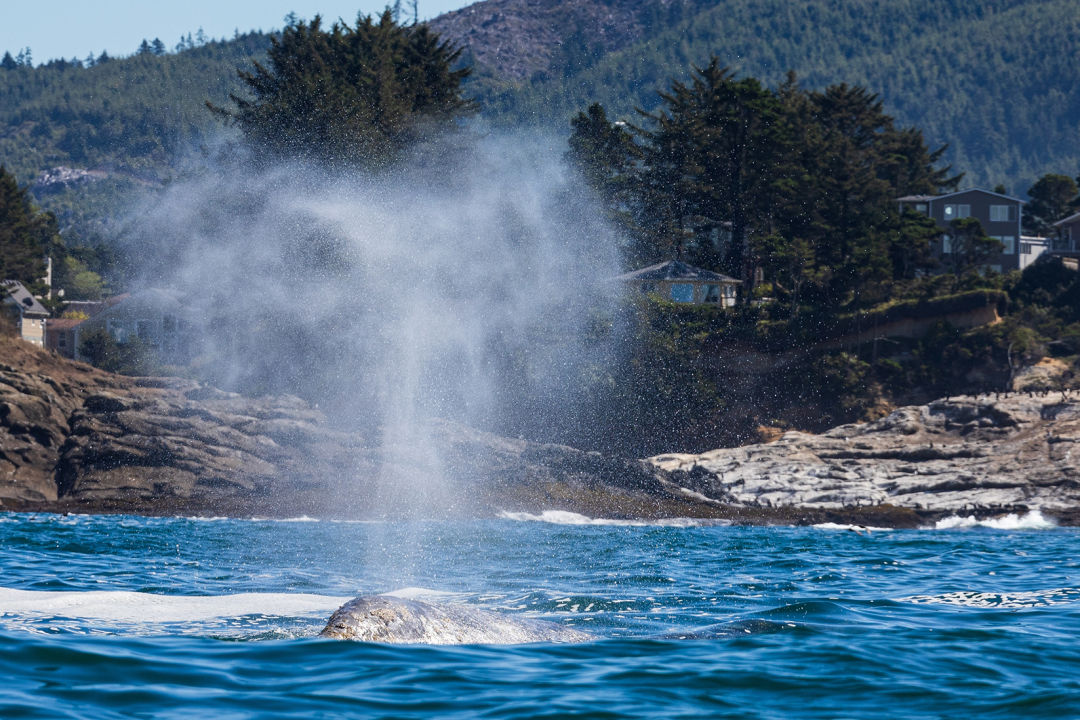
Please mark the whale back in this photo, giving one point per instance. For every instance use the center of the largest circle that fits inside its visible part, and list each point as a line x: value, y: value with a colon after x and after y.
x: 385, y: 619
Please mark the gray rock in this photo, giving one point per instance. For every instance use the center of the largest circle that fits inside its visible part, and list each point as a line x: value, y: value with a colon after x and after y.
x: 968, y: 454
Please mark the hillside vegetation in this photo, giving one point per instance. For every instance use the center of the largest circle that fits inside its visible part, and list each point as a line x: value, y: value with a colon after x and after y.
x: 997, y: 81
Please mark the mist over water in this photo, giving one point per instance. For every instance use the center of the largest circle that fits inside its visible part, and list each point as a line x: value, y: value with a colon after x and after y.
x: 465, y: 284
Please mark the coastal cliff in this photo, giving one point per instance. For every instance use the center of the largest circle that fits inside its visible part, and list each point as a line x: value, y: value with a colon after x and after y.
x: 76, y: 439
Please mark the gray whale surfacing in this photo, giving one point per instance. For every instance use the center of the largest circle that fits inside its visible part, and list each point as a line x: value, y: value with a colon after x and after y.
x: 386, y: 619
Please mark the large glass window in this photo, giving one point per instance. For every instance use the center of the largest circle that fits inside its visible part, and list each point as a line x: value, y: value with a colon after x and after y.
x: 946, y: 244
x: 682, y: 292
x: 1002, y: 213
x: 712, y: 293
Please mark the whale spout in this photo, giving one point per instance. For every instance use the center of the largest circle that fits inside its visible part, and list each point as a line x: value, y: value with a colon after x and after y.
x: 386, y: 619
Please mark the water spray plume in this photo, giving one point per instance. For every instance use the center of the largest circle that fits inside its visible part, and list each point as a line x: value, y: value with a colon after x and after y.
x: 459, y: 286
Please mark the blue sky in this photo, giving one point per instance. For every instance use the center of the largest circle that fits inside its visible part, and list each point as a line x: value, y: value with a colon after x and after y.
x: 76, y: 28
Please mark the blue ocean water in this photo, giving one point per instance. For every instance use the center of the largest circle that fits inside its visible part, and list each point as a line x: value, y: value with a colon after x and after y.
x: 127, y: 617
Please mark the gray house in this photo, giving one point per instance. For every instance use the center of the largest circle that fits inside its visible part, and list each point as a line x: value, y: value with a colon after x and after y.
x: 156, y: 317
x: 29, y: 314
x: 1068, y: 234
x: 998, y: 214
x: 683, y: 283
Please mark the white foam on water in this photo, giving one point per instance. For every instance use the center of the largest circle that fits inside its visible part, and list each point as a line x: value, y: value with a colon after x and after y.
x: 861, y: 529
x: 1033, y: 520
x: 1006, y: 600
x: 565, y: 517
x: 139, y: 607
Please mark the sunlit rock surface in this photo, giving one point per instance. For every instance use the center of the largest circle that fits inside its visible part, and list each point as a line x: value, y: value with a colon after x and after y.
x: 76, y: 439
x: 990, y: 453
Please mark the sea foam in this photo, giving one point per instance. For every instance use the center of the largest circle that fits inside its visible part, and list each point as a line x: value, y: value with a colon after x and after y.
x: 1033, y: 520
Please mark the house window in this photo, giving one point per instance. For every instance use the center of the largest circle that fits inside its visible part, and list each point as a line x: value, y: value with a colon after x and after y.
x: 1002, y: 213
x: 168, y: 324
x: 955, y: 212
x: 1008, y: 241
x: 61, y: 340
x: 946, y: 244
x: 648, y: 288
x: 712, y: 293
x: 117, y: 330
x: 682, y: 292
x: 920, y: 207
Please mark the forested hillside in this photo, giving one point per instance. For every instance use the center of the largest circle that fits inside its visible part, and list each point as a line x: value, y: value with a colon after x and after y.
x: 998, y: 81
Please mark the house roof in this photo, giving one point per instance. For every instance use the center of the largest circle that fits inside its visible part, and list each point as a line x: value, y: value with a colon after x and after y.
x: 1071, y: 219
x: 925, y: 198
x: 63, y: 323
x: 19, y: 295
x: 674, y: 270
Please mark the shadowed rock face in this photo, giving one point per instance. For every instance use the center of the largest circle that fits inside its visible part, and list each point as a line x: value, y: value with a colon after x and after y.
x: 385, y: 619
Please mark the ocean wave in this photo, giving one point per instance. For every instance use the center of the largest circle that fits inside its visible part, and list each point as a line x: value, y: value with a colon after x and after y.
x: 565, y: 517
x: 140, y: 607
x: 1033, y: 520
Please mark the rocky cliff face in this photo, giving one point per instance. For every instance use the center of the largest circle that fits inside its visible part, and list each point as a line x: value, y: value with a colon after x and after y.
x: 982, y: 455
x: 73, y: 438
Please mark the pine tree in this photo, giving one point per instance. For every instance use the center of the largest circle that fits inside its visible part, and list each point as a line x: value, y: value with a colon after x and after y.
x: 27, y: 235
x: 8, y: 62
x: 352, y: 95
x: 1052, y: 198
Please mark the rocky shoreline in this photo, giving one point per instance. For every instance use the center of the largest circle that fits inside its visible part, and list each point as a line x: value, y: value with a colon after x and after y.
x: 76, y: 439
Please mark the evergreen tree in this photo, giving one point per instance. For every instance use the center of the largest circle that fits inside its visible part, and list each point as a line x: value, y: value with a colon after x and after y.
x: 971, y: 246
x: 605, y: 154
x: 1052, y: 198
x: 8, y: 62
x: 27, y: 235
x: 351, y: 95
x: 144, y: 48
x: 157, y: 47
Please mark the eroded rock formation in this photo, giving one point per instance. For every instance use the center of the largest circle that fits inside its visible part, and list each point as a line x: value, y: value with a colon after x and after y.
x: 73, y: 438
x: 987, y: 454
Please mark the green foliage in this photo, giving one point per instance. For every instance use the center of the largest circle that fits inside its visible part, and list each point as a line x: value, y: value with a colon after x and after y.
x: 1007, y: 107
x: 1053, y: 197
x: 731, y: 176
x: 351, y: 95
x: 132, y: 117
x: 79, y: 282
x: 27, y: 235
x: 130, y: 358
x: 971, y: 246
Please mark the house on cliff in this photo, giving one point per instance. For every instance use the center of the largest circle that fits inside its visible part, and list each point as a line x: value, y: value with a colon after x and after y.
x: 682, y: 283
x: 998, y: 214
x: 155, y: 317
x: 1068, y: 234
x: 28, y: 313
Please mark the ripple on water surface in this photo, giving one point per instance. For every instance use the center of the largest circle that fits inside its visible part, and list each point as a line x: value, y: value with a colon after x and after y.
x: 109, y: 617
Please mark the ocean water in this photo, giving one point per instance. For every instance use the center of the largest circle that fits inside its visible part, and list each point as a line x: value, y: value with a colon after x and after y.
x: 128, y: 617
